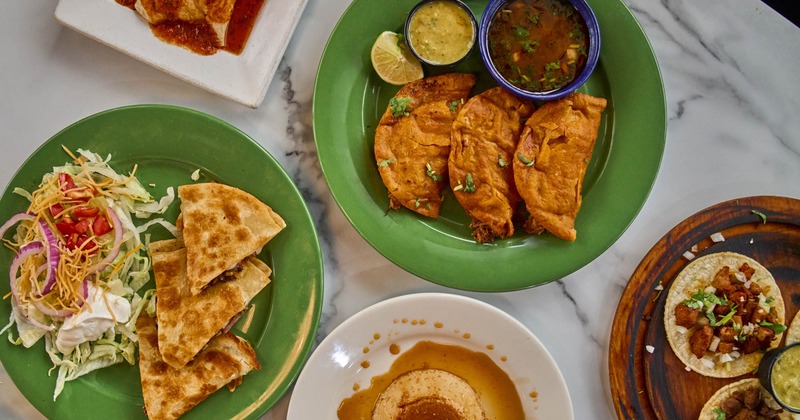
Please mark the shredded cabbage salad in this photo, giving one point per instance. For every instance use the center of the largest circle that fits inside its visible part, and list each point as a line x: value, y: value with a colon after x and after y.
x: 80, y: 264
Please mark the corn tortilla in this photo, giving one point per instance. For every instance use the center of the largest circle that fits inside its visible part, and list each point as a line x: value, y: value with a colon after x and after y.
x: 698, y: 275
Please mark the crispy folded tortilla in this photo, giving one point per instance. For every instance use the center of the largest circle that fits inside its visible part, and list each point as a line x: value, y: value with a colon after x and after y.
x: 187, y: 322
x: 551, y: 160
x: 222, y: 225
x: 169, y: 392
x: 217, y: 13
x: 698, y: 275
x: 482, y: 143
x: 708, y: 412
x: 412, y: 150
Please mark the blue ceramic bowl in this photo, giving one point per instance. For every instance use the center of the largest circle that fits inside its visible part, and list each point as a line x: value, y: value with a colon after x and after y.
x: 593, y: 55
x: 765, y: 373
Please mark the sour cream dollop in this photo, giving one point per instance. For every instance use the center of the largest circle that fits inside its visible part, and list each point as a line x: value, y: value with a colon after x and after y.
x: 94, y: 319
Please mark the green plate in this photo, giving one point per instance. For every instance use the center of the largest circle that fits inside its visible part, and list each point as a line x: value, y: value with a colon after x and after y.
x: 168, y: 144
x: 349, y: 99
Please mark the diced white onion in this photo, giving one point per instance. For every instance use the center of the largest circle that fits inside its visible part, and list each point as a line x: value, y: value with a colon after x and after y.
x: 694, y: 248
x: 717, y: 237
x: 681, y: 329
x: 660, y: 287
x: 707, y: 363
x: 703, y: 321
x: 688, y: 369
x: 725, y: 358
x: 710, y: 289
x: 740, y: 276
x: 735, y: 354
x: 751, y: 240
x: 714, y: 344
x: 747, y: 284
x: 650, y: 349
x: 688, y: 255
x: 195, y: 175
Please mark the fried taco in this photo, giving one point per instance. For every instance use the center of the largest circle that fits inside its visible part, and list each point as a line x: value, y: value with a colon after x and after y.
x: 412, y: 141
x: 553, y: 153
x: 482, y: 143
x: 169, y: 392
x: 721, y: 312
x: 222, y: 226
x: 745, y: 399
x: 187, y: 322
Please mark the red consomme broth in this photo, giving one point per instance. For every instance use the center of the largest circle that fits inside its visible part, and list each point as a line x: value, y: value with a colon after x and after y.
x: 538, y: 45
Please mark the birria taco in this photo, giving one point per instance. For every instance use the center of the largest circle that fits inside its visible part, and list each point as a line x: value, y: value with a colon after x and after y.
x: 721, y: 312
x: 743, y: 399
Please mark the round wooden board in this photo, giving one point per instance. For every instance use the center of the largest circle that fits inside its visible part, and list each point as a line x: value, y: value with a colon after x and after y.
x: 657, y: 385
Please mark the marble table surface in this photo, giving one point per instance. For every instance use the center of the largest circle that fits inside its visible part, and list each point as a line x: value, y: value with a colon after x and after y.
x: 733, y: 102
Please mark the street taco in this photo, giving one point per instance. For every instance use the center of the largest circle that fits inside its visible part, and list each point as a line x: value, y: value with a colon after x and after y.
x: 742, y: 399
x: 722, y: 311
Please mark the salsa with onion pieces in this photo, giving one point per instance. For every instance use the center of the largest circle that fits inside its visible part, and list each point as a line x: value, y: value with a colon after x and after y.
x: 538, y: 45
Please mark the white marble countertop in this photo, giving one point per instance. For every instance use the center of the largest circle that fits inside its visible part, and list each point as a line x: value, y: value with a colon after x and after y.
x: 733, y: 102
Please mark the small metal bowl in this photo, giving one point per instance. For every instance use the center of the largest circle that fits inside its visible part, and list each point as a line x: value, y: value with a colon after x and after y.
x: 765, y: 368
x: 593, y: 55
x: 421, y: 57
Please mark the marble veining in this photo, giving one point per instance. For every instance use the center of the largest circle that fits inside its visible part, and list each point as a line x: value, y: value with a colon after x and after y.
x: 729, y: 71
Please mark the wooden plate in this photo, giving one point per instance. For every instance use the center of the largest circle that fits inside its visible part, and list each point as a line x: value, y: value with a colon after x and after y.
x: 657, y: 385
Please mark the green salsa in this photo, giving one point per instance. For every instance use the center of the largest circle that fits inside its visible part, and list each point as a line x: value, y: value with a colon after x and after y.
x: 538, y: 45
x: 785, y: 374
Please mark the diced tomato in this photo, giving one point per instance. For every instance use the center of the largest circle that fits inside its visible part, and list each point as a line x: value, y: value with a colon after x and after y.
x: 72, y: 241
x: 87, y: 244
x: 85, y: 211
x: 66, y: 228
x: 82, y: 226
x: 100, y: 226
x: 66, y: 182
x: 56, y: 209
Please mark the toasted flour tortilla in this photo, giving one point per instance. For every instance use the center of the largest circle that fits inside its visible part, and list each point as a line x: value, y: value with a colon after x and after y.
x: 698, y: 275
x: 793, y: 333
x: 725, y: 392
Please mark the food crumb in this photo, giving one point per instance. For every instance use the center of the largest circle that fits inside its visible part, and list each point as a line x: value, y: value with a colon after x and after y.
x: 688, y: 255
x: 659, y: 287
x: 650, y: 349
x: 694, y: 248
x: 688, y: 369
x: 152, y: 184
x: 751, y: 240
x: 195, y: 175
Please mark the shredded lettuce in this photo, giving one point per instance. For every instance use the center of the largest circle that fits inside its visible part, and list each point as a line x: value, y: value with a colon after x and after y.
x: 122, y: 278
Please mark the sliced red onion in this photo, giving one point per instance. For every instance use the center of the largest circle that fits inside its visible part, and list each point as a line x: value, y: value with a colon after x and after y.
x: 26, y: 251
x: 114, y: 251
x: 50, y: 311
x: 14, y: 220
x: 53, y: 257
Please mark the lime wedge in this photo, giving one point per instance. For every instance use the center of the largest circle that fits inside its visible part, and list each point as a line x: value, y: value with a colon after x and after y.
x: 394, y: 63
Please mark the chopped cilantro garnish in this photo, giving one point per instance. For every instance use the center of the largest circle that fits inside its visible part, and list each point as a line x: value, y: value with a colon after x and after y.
x: 761, y: 215
x: 724, y: 319
x: 719, y: 414
x: 502, y: 163
x: 469, y: 185
x: 431, y: 173
x: 521, y: 32
x: 524, y: 160
x: 399, y: 106
x: 529, y: 45
x: 453, y: 105
x: 778, y: 328
x: 385, y: 163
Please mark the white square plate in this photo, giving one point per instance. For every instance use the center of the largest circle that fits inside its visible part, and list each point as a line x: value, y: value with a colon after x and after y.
x: 243, y: 78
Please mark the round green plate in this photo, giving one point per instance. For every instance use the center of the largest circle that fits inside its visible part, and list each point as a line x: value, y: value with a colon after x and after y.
x: 167, y: 144
x: 349, y: 99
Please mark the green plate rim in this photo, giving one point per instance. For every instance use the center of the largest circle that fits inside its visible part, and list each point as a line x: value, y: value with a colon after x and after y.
x: 287, y: 311
x: 636, y: 133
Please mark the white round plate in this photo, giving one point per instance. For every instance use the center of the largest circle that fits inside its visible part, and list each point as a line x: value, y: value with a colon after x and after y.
x: 335, y: 367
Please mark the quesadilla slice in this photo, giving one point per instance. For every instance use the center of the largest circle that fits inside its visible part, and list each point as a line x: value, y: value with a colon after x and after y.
x: 215, y: 13
x: 169, y: 392
x: 187, y: 322
x: 222, y: 226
